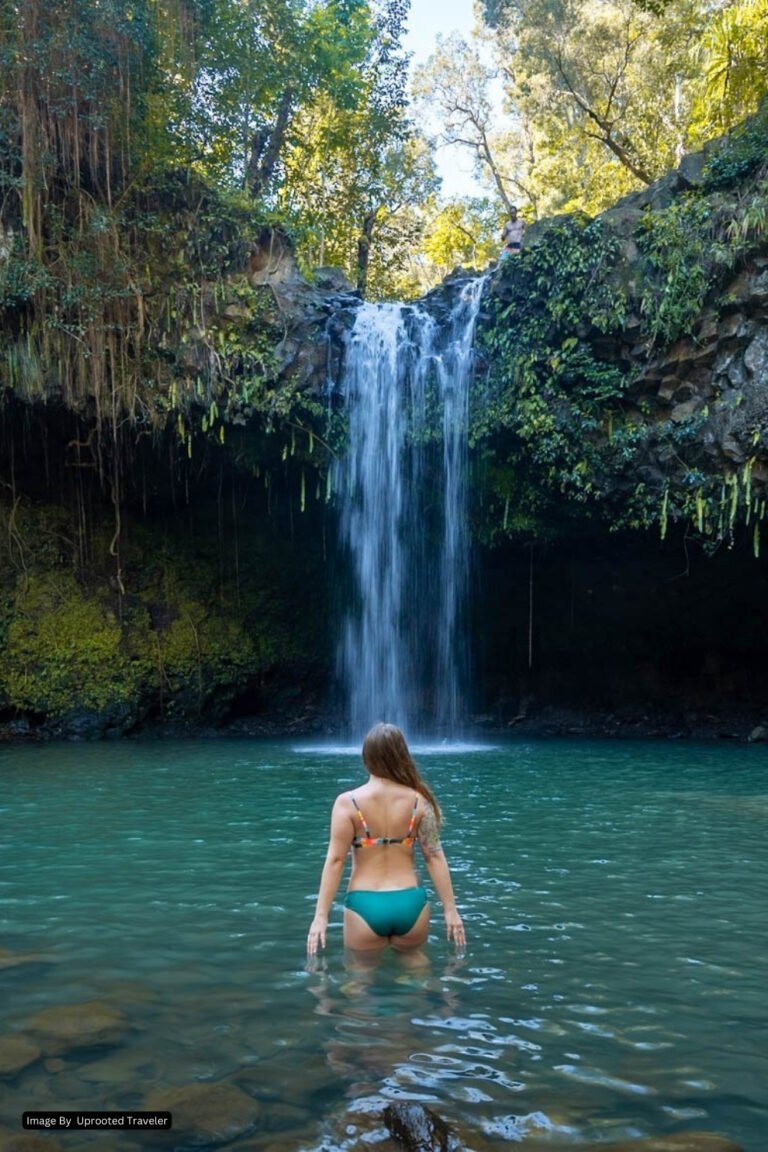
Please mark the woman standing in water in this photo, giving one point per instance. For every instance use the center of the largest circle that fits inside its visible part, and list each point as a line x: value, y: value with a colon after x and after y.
x: 381, y: 822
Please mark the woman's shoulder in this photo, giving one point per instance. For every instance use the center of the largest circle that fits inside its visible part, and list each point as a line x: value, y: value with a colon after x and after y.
x: 376, y: 791
x: 344, y: 802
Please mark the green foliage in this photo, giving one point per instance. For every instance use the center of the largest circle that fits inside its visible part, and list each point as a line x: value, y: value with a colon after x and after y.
x: 63, y: 649
x: 716, y: 506
x: 555, y: 420
x: 20, y: 278
x: 357, y: 177
x: 189, y: 633
x: 147, y: 312
x: 735, y: 66
x: 546, y: 386
x: 597, y: 95
x: 143, y: 149
x: 461, y: 232
x: 601, y: 96
x: 675, y: 245
x: 741, y: 154
x: 258, y: 65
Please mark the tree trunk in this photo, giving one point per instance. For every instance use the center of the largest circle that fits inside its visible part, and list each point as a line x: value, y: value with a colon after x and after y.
x: 266, y: 145
x: 364, y: 249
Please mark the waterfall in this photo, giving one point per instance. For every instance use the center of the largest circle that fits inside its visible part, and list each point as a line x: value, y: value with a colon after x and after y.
x: 403, y: 516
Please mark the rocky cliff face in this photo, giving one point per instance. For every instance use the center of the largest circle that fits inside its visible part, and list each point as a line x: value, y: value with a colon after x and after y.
x: 184, y: 543
x: 314, y: 315
x: 628, y: 355
x: 717, y: 371
x: 685, y: 263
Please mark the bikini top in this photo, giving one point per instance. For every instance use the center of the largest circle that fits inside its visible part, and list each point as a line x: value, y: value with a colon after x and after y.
x: 368, y: 841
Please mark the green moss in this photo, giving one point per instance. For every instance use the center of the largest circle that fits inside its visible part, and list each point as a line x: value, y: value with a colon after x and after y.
x: 541, y: 417
x: 740, y: 154
x: 194, y: 627
x: 63, y: 649
x: 564, y: 421
x: 677, y: 276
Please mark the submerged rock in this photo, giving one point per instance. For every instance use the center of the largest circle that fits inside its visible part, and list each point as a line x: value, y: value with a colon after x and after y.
x: 71, y: 1026
x: 418, y: 1129
x: 10, y: 959
x: 123, y: 1066
x: 16, y: 1053
x: 27, y: 1142
x: 206, y: 1113
x: 679, y: 1142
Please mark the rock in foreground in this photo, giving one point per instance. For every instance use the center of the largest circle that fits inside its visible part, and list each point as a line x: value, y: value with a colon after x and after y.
x: 206, y: 1113
x: 418, y: 1129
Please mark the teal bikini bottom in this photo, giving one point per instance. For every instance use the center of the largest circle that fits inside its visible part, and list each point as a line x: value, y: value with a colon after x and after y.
x: 388, y: 913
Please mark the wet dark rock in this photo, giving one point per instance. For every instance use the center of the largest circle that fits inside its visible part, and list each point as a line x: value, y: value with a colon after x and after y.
x: 419, y: 1129
x: 331, y: 279
x: 107, y: 723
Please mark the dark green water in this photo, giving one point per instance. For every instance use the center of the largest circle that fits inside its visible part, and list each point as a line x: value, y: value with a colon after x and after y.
x: 615, y: 899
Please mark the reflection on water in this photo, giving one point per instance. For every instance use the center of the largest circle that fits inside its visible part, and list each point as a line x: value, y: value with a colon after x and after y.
x: 613, y: 985
x: 417, y: 748
x: 372, y: 1015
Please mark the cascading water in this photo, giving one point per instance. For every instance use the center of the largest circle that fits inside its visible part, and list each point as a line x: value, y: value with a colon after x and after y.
x: 403, y: 521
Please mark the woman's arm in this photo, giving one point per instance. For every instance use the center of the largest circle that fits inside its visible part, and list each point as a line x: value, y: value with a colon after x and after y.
x: 440, y: 873
x: 342, y: 832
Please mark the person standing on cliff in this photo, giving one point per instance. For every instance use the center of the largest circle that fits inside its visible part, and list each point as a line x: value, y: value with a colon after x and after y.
x: 512, y: 234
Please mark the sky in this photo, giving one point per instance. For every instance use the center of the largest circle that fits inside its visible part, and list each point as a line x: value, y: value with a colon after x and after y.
x: 427, y: 18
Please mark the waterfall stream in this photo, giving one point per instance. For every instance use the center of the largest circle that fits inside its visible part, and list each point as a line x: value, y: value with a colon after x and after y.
x: 403, y: 519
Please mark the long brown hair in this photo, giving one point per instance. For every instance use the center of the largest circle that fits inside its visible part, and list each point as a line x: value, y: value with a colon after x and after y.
x: 385, y: 753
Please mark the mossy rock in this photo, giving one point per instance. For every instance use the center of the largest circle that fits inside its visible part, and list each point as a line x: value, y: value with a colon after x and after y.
x: 16, y: 1053
x: 28, y: 1142
x: 206, y: 1113
x: 69, y: 1027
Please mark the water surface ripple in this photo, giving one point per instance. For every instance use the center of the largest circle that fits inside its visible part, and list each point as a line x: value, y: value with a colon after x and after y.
x: 614, y: 896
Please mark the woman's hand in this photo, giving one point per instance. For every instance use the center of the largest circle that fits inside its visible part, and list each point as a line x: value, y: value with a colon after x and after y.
x: 454, y: 929
x: 316, y: 935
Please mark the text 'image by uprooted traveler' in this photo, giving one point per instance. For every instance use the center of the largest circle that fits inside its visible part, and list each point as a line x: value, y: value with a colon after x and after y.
x: 94, y: 1120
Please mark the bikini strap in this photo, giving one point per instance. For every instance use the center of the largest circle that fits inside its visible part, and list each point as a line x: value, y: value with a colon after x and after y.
x: 414, y: 810
x: 367, y: 841
x: 366, y: 831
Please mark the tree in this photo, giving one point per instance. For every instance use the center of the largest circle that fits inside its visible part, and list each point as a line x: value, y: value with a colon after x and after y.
x: 496, y: 12
x: 259, y: 63
x: 613, y: 92
x: 357, y: 174
x: 73, y: 81
x: 602, y: 88
x: 456, y: 83
x: 353, y: 190
x: 734, y: 77
x: 614, y: 73
x: 461, y: 232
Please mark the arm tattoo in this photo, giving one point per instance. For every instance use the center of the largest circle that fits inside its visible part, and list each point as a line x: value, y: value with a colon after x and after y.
x: 429, y: 833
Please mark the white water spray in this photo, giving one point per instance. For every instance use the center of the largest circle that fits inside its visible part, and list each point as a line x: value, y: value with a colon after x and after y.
x: 403, y: 520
